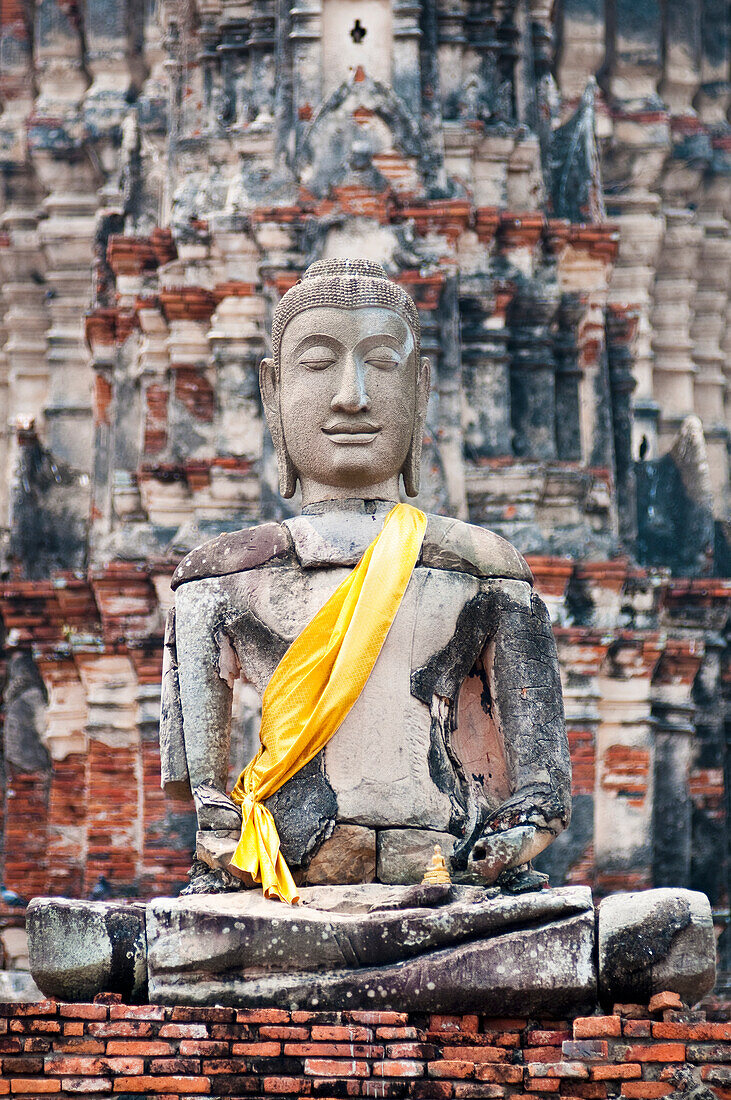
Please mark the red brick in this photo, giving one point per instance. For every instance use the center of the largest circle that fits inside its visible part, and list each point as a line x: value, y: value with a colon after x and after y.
x: 691, y: 1032
x: 588, y: 1090
x: 35, y: 1086
x: 74, y: 1027
x: 544, y: 1054
x: 31, y: 1027
x: 184, y: 1086
x: 87, y: 1084
x: 597, y: 1027
x: 399, y: 1033
x: 504, y: 1023
x: 262, y: 1016
x: 141, y: 1047
x: 342, y: 1034
x: 137, y: 1012
x: 542, y: 1084
x: 717, y: 1075
x: 646, y: 1090
x: 325, y: 1050
x: 191, y: 1048
x: 630, y: 1011
x: 428, y: 1090
x: 170, y: 1066
x: 657, y: 1052
x: 80, y: 1044
x: 121, y: 1029
x: 509, y: 1075
x: 231, y: 1032
x: 259, y: 1050
x: 183, y: 1031
x: 663, y: 1000
x: 586, y: 1050
x: 401, y: 1068
x: 467, y: 1090
x: 707, y: 1052
x: 22, y: 1065
x: 286, y: 1085
x: 450, y: 1067
x: 379, y: 1086
x: 90, y: 1066
x: 637, y: 1029
x: 475, y: 1054
x: 84, y: 1012
x: 212, y: 1015
x: 411, y: 1050
x: 330, y: 1067
x: 542, y: 1037
x: 506, y: 1039
x: 36, y: 1045
x: 226, y: 1065
x: 11, y: 1046
x: 461, y: 1024
x: 575, y: 1070
x: 624, y: 1072
x: 30, y: 1008
x: 290, y: 1033
x: 378, y: 1018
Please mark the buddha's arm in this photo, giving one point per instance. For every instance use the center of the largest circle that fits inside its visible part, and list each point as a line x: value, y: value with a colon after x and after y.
x: 197, y: 689
x: 522, y: 668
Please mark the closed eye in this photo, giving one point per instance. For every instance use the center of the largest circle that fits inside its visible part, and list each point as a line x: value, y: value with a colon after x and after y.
x: 316, y: 364
x: 384, y: 362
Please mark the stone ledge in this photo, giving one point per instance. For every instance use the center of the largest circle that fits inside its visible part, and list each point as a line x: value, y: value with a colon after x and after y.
x: 400, y: 948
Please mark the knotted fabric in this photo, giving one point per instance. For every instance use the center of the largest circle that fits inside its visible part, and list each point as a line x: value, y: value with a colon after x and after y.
x: 315, y: 685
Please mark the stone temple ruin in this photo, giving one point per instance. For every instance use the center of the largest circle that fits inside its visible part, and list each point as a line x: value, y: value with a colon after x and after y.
x: 550, y: 183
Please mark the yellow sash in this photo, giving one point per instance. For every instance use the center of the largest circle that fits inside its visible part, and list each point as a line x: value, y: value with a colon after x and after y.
x: 315, y: 685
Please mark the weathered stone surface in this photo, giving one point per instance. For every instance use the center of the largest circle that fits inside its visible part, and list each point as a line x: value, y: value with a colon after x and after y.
x: 403, y: 854
x: 215, y: 847
x: 348, y: 946
x: 80, y: 948
x: 349, y: 855
x: 653, y: 941
x: 304, y: 811
x: 18, y: 985
x: 230, y: 553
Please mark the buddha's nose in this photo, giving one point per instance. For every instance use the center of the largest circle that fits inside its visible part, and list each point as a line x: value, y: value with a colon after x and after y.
x: 352, y: 396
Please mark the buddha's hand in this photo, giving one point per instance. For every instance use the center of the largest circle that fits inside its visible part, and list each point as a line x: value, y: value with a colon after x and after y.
x: 496, y: 852
x: 215, y: 810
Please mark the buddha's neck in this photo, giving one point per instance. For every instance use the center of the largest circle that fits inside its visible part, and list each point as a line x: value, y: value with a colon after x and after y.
x: 365, y: 506
x: 331, y: 498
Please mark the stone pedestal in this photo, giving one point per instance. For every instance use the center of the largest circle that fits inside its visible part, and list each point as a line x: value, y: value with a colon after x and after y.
x: 437, y: 948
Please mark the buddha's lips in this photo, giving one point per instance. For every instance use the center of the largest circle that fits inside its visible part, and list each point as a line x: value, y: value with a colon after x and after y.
x: 347, y: 432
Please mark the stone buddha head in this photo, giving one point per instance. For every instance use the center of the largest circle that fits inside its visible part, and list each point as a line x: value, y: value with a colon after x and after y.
x: 346, y: 389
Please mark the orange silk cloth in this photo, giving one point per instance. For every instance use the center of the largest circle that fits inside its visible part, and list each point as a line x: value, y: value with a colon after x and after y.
x: 315, y: 685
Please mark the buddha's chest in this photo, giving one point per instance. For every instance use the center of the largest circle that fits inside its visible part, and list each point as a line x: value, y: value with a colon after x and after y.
x: 382, y: 761
x: 270, y: 607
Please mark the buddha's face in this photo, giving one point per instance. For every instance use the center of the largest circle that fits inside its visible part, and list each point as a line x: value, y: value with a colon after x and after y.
x: 348, y: 395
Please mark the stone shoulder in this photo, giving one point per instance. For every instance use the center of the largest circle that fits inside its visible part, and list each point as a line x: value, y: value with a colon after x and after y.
x: 465, y: 548
x: 234, y: 552
x: 448, y: 544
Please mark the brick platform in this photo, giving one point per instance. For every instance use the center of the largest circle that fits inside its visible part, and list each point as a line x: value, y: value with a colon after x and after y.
x: 96, y: 1050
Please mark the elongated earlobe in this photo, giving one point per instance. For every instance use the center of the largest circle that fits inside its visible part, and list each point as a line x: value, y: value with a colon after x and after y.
x: 411, y: 472
x: 268, y: 385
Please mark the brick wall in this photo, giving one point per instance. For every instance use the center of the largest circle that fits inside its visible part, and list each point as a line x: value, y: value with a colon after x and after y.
x: 113, y: 1049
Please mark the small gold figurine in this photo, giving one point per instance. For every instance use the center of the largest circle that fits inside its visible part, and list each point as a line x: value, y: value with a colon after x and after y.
x: 436, y: 872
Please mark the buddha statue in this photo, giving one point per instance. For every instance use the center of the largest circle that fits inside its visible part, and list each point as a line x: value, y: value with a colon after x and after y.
x: 457, y: 737
x: 413, y: 754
